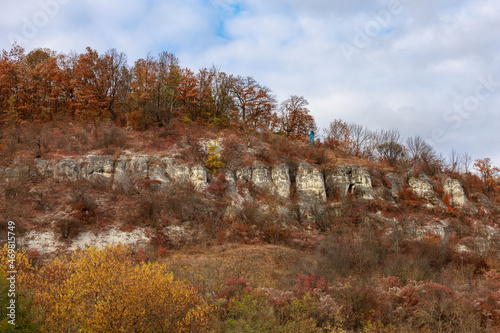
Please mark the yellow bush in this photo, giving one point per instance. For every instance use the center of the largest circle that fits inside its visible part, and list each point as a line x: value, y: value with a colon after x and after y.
x: 213, y: 161
x: 20, y: 263
x: 103, y: 291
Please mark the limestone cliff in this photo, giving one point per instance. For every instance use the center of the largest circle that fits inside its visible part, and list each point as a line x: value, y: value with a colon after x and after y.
x: 310, y: 184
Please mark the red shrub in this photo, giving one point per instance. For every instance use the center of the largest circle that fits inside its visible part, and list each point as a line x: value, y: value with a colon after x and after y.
x: 233, y: 287
x: 160, y: 239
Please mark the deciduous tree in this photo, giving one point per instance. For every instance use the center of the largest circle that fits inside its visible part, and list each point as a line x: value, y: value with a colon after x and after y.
x: 294, y: 120
x: 488, y: 172
x: 104, y: 291
x: 253, y: 103
x: 338, y: 136
x: 99, y: 81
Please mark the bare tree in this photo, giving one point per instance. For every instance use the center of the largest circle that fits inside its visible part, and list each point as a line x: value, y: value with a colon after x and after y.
x: 465, y: 162
x: 422, y: 155
x: 360, y: 137
x: 453, y: 161
x: 417, y: 147
x: 390, y: 146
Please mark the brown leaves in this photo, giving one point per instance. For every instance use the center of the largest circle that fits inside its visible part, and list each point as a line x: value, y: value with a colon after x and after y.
x: 489, y: 174
x: 294, y: 120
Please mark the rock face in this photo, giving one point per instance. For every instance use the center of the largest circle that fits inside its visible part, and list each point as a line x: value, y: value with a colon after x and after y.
x: 129, y: 170
x: 44, y: 168
x: 261, y: 176
x: 338, y: 181
x: 244, y: 175
x: 167, y: 170
x: 280, y: 175
x: 275, y: 180
x: 98, y: 168
x: 349, y: 178
x: 361, y: 183
x: 484, y: 202
x: 423, y: 187
x: 157, y: 172
x: 176, y: 171
x: 438, y: 228
x: 454, y: 189
x: 17, y: 172
x: 310, y: 185
x: 198, y: 177
x: 138, y: 167
x: 396, y: 183
x: 231, y: 188
x: 67, y: 169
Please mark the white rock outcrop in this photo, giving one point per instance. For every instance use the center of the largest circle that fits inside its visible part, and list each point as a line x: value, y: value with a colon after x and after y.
x: 337, y: 181
x: 458, y: 199
x: 156, y: 171
x: 98, y: 168
x: 44, y: 168
x: 423, y: 187
x: 353, y: 178
x: 198, y: 177
x: 310, y: 184
x: 361, y: 183
x: 129, y: 170
x: 67, y: 169
x: 244, y: 175
x: 261, y: 176
x: 280, y: 176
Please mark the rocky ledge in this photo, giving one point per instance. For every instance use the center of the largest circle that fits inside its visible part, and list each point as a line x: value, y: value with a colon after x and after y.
x: 311, y: 185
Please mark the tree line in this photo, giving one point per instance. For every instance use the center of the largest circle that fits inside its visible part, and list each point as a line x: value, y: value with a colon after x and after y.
x: 43, y: 85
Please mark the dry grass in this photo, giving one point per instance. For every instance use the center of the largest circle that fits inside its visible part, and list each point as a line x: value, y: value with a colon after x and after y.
x: 265, y: 266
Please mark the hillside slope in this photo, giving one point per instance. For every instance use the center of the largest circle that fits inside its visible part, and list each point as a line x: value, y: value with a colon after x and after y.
x: 220, y: 204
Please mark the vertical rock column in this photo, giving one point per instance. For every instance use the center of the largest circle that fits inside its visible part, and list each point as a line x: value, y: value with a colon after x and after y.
x: 310, y: 185
x: 280, y: 175
x: 454, y: 189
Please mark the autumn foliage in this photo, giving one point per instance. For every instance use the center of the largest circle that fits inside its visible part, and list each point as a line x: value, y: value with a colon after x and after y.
x: 43, y: 86
x: 350, y: 265
x: 104, y: 291
x: 488, y: 173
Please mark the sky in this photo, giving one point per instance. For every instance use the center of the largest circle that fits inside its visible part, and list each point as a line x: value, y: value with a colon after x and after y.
x: 428, y: 68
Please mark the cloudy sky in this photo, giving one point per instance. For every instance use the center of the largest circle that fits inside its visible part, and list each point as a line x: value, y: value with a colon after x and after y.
x: 429, y: 68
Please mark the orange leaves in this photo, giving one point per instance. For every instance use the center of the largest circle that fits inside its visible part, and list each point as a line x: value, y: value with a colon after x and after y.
x: 99, y: 81
x: 338, y: 136
x: 294, y: 120
x: 489, y: 174
x: 153, y: 88
x: 253, y: 103
x: 43, y: 86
